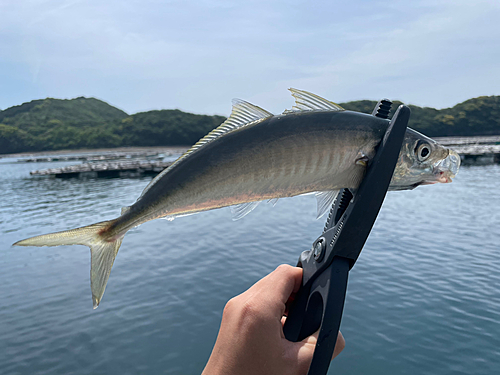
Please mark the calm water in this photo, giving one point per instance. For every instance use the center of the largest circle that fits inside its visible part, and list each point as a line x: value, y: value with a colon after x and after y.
x: 424, y: 296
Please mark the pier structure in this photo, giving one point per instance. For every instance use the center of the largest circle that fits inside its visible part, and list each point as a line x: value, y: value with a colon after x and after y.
x: 97, y: 157
x: 106, y: 170
x: 480, y: 150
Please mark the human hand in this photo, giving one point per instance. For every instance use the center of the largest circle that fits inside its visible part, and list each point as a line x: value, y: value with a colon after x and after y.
x: 251, y: 339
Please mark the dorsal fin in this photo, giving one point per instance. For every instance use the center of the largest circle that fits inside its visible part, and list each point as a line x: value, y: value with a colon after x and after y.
x: 242, y: 114
x: 306, y: 101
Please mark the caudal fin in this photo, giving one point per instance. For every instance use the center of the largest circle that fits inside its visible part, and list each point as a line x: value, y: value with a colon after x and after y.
x: 103, y: 251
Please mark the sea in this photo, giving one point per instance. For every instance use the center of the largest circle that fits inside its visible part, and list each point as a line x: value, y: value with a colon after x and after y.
x: 423, y: 297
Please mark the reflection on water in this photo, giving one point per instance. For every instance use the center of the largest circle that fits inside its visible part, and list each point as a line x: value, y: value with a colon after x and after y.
x: 424, y: 296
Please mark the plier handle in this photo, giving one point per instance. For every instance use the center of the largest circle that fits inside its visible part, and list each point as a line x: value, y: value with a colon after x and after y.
x: 320, y: 301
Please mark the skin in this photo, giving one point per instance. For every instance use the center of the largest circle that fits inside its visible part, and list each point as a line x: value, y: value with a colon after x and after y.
x: 251, y: 339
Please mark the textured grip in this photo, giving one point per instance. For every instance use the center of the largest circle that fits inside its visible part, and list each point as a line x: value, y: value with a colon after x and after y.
x: 320, y: 308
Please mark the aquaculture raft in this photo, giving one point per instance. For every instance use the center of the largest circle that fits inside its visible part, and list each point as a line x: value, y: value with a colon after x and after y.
x: 114, y: 169
x: 478, y: 150
x: 93, y: 157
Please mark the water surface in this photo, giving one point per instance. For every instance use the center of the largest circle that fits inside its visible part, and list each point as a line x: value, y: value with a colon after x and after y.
x: 424, y: 296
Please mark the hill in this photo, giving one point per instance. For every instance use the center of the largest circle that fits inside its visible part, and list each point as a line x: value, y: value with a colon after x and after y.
x: 478, y: 116
x: 54, y: 124
x: 165, y: 127
x: 51, y: 124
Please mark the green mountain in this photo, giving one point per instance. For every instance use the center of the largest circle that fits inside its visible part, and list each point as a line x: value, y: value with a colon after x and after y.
x: 73, y: 112
x: 54, y: 124
x: 478, y: 116
x: 51, y: 124
x: 165, y: 127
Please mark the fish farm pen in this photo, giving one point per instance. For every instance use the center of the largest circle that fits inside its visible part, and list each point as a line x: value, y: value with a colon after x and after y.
x: 106, y: 170
x: 473, y: 151
x: 92, y: 157
x: 481, y: 150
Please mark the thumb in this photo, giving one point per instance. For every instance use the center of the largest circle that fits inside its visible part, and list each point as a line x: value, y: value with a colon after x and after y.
x: 305, y: 350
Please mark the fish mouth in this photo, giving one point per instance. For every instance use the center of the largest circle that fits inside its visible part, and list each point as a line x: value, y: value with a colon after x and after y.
x: 441, y: 177
x: 445, y: 170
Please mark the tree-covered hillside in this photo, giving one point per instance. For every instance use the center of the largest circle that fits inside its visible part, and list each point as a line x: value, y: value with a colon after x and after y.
x: 478, y: 116
x: 166, y: 127
x: 53, y: 124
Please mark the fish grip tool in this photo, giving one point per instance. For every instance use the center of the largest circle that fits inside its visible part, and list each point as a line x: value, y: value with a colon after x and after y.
x: 320, y: 300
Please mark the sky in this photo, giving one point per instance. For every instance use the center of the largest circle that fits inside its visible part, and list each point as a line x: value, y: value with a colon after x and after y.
x: 198, y: 55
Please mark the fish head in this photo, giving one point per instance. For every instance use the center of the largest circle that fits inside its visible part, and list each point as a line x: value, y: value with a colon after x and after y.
x: 423, y: 161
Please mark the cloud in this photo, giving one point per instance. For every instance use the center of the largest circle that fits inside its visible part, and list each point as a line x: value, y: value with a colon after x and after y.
x: 197, y: 55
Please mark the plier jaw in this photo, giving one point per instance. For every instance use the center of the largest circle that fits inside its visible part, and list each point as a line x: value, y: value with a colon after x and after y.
x: 320, y: 301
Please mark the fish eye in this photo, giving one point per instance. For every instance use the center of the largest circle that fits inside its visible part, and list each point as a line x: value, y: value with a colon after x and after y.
x: 423, y: 151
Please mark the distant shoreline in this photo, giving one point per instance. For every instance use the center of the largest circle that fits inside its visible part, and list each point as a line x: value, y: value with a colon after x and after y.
x: 89, y: 123
x: 160, y: 149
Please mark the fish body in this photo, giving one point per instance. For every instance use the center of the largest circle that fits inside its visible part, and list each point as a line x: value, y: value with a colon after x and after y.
x: 256, y: 156
x: 282, y: 156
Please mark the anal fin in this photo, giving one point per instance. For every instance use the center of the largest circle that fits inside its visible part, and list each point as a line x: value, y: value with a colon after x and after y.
x: 273, y: 201
x: 241, y: 210
x: 324, y: 200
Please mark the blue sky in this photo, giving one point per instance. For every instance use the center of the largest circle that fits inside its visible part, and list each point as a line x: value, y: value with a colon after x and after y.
x: 198, y: 55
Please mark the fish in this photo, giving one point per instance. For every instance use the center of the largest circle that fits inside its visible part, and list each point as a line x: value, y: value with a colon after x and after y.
x: 255, y: 156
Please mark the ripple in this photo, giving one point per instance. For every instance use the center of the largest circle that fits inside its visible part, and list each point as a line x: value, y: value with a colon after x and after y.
x: 424, y: 296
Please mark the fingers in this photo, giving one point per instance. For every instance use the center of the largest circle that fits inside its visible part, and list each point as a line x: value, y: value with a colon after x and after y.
x: 310, y: 343
x: 303, y: 351
x: 339, y: 346
x: 285, y: 279
x: 278, y: 286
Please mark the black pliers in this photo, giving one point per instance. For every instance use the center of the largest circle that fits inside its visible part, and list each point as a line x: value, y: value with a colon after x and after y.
x: 320, y: 301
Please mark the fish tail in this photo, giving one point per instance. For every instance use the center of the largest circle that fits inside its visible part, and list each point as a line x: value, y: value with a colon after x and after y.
x: 103, y: 250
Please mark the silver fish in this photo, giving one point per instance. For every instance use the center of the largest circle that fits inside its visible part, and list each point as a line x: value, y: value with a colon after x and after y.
x: 253, y: 156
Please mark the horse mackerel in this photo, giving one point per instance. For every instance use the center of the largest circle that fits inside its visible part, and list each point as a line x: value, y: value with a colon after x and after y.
x: 254, y: 156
